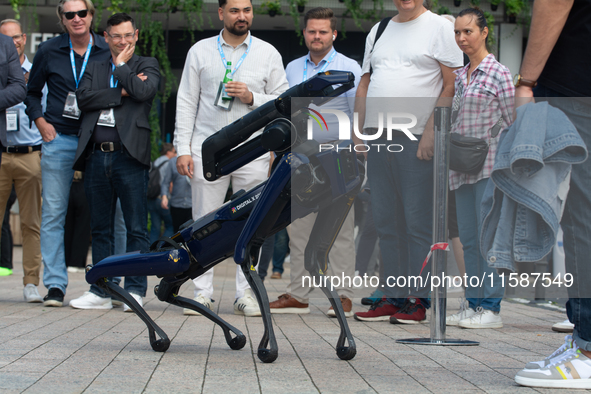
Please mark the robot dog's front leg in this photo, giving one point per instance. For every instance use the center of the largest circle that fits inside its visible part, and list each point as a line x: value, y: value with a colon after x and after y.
x: 326, y: 228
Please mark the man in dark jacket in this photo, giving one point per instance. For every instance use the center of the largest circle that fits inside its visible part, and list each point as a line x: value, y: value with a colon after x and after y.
x: 115, y: 97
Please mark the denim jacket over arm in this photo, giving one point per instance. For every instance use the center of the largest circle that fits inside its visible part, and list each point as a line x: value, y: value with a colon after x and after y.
x: 521, y: 206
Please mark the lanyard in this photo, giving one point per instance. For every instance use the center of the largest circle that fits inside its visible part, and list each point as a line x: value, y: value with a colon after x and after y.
x: 332, y: 55
x: 86, y: 56
x: 224, y: 56
x: 111, y: 83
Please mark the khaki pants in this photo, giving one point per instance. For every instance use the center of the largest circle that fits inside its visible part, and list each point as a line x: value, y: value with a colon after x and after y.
x: 24, y: 170
x: 341, y: 257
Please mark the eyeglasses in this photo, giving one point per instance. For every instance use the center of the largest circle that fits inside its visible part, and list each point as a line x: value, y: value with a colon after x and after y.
x: 118, y: 38
x: 70, y: 15
x: 17, y: 38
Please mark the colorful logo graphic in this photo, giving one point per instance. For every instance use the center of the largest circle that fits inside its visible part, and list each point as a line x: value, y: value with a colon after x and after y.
x: 318, y: 120
x: 234, y: 210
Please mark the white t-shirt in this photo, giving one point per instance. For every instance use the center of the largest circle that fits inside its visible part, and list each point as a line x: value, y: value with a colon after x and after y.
x: 406, y: 63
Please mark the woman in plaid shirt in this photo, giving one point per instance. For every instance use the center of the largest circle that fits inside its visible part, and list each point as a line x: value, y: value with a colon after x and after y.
x: 484, y: 96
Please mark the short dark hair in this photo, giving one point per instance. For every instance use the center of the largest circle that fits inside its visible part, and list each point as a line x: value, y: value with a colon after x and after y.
x: 166, y: 147
x: 479, y: 19
x: 119, y: 18
x: 223, y: 2
x: 320, y: 13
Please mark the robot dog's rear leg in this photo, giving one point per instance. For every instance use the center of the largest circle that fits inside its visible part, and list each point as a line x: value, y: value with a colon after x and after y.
x: 159, y: 345
x: 256, y: 284
x: 168, y: 292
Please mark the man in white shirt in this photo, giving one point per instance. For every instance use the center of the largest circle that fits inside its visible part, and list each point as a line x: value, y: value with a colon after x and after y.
x: 407, y: 68
x: 257, y: 76
x: 319, y: 35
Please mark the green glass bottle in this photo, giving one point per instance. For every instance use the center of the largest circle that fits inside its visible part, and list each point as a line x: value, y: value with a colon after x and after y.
x: 227, y: 78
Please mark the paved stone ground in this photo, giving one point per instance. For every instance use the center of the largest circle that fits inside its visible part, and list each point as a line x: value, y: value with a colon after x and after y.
x: 63, y: 350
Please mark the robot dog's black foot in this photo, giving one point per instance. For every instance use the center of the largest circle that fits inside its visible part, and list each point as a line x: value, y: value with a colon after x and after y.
x: 158, y: 345
x: 235, y: 343
x: 166, y: 291
x: 343, y: 352
x: 256, y: 284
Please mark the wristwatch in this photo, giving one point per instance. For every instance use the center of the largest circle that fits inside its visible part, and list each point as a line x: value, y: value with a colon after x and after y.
x: 518, y: 81
x: 121, y: 64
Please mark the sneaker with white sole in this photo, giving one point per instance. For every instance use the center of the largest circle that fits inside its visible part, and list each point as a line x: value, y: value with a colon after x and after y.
x: 567, y: 345
x: 31, y: 293
x: 464, y: 313
x: 136, y: 297
x: 571, y: 370
x: 563, y: 326
x: 483, y: 318
x: 206, y: 302
x: 247, y: 305
x: 91, y: 301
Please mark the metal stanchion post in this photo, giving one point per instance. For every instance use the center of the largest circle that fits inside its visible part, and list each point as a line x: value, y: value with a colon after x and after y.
x: 439, y: 257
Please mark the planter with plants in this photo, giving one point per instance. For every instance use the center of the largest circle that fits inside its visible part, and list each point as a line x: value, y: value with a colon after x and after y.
x: 271, y: 8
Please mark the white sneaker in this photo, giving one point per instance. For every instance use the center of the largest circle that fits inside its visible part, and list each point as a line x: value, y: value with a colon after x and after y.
x: 91, y: 301
x: 464, y: 313
x: 31, y: 294
x: 136, y: 297
x: 206, y: 302
x: 483, y: 318
x: 567, y: 345
x: 563, y: 326
x: 247, y: 305
x: 570, y: 370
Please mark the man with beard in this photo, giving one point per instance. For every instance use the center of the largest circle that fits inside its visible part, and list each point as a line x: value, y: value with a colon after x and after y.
x: 207, y: 102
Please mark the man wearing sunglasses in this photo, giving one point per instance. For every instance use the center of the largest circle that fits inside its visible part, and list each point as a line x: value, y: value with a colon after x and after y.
x: 116, y: 96
x: 60, y: 63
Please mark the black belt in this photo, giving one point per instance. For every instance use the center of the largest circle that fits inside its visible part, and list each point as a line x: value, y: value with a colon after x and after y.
x: 21, y: 149
x: 107, y: 146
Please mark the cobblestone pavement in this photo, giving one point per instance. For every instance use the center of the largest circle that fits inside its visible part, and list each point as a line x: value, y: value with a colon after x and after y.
x: 64, y: 350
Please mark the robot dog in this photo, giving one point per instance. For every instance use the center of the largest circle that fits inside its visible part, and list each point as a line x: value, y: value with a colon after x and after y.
x: 303, y: 180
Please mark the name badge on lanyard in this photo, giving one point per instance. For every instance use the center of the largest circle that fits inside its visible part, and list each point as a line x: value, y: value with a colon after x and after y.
x: 220, y: 101
x: 12, y: 120
x: 107, y: 116
x: 71, y: 109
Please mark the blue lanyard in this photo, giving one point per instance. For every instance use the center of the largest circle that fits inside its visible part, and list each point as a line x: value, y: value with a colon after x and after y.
x: 239, y: 61
x: 111, y: 83
x: 86, y: 56
x: 332, y: 55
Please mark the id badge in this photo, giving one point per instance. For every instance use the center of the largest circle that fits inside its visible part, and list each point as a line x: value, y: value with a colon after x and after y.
x: 71, y: 107
x: 106, y: 118
x: 219, y: 102
x: 12, y: 120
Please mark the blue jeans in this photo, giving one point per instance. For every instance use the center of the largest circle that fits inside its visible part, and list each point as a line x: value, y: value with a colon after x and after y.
x: 402, y: 204
x: 576, y: 220
x: 56, y: 176
x: 280, y: 250
x: 488, y: 295
x: 159, y: 215
x: 110, y: 176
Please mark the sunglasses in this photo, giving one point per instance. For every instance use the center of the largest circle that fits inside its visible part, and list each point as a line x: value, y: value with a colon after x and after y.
x: 70, y: 15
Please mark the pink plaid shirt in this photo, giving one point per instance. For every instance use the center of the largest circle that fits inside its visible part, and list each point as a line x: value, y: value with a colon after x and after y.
x: 478, y: 106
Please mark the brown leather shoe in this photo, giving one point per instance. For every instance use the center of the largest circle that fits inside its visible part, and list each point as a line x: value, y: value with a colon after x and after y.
x: 276, y: 275
x: 347, y: 308
x: 287, y: 304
